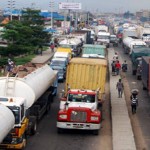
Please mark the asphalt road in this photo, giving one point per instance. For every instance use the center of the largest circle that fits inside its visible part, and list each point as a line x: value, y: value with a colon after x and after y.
x: 47, y: 137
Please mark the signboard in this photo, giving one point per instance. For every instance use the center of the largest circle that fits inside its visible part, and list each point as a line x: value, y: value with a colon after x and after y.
x: 73, y: 6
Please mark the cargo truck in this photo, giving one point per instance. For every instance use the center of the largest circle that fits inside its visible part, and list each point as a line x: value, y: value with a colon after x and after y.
x: 136, y: 58
x: 146, y: 73
x: 25, y: 98
x: 94, y: 51
x: 84, y: 91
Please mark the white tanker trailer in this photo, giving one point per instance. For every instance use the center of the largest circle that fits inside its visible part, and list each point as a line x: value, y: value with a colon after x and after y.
x: 6, y: 122
x: 130, y: 43
x: 28, y: 98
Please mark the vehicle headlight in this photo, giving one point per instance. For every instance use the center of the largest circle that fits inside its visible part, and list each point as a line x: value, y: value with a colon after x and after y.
x: 63, y: 116
x: 14, y: 141
x: 94, y: 118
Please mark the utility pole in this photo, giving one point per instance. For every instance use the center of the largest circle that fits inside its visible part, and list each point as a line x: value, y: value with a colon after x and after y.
x: 51, y: 6
x: 11, y: 4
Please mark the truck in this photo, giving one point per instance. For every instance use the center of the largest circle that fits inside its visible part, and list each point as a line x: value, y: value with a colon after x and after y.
x: 129, y: 43
x: 130, y: 32
x: 144, y: 34
x: 146, y: 73
x: 101, y: 28
x: 103, y: 38
x: 94, y: 51
x: 73, y: 43
x: 136, y: 58
x: 26, y: 96
x: 83, y: 95
x: 86, y: 34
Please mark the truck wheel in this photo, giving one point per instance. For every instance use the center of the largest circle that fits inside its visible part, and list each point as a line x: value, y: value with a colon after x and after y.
x: 144, y: 88
x: 138, y: 77
x: 59, y: 130
x: 133, y: 72
x: 24, y: 142
x: 48, y: 108
x: 34, y: 128
x: 96, y: 132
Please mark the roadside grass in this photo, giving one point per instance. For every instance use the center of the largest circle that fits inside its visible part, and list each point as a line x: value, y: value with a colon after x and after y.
x: 24, y: 59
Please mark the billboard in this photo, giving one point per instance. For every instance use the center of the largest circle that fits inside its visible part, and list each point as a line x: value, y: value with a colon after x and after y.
x: 66, y: 5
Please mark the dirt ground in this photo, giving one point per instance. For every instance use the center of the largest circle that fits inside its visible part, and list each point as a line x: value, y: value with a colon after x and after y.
x: 138, y: 136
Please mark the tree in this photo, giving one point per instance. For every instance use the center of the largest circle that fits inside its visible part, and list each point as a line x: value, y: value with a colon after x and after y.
x: 25, y: 35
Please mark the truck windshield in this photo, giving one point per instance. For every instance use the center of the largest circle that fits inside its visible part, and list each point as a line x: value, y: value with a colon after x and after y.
x: 81, y: 98
x: 16, y: 112
x: 103, y: 37
x: 139, y: 46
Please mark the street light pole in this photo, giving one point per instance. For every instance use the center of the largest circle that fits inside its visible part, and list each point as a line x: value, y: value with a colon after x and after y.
x: 51, y: 6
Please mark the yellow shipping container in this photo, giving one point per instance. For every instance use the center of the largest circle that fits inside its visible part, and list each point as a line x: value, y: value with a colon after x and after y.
x: 86, y: 73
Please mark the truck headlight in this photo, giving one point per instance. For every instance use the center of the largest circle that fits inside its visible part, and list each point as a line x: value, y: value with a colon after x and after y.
x: 94, y: 118
x: 14, y: 141
x: 63, y: 116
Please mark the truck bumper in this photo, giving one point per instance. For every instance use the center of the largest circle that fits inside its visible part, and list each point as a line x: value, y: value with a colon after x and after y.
x: 80, y: 126
x: 12, y: 146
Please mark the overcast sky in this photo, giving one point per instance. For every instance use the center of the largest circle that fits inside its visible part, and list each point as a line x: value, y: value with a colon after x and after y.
x: 89, y: 5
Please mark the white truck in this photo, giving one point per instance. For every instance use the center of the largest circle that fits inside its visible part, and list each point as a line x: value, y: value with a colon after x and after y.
x: 103, y: 38
x: 130, y: 32
x: 130, y: 43
x: 144, y: 34
x: 101, y: 28
x: 72, y: 42
x: 24, y: 99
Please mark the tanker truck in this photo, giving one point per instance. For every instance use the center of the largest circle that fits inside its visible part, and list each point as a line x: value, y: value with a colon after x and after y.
x: 83, y: 95
x: 130, y: 43
x: 25, y: 98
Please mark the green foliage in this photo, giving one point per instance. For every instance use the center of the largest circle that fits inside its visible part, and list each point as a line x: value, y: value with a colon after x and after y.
x: 23, y: 60
x: 3, y: 61
x: 26, y: 35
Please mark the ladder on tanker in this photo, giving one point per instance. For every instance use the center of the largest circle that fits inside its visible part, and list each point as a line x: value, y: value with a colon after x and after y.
x: 10, y: 85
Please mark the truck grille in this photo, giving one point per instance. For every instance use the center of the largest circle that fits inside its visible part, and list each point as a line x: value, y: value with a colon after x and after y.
x: 78, y: 116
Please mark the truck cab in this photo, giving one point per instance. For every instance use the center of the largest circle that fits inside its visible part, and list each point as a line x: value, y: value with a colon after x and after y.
x: 103, y: 38
x: 16, y: 139
x: 79, y: 110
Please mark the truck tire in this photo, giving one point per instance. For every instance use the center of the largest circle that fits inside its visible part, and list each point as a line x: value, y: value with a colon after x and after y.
x: 96, y: 132
x: 59, y: 130
x: 34, y: 128
x: 48, y: 107
x: 24, y: 142
x: 33, y: 125
x: 133, y: 72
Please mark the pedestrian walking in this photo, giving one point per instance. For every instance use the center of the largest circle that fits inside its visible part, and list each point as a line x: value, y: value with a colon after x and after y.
x: 120, y: 88
x: 124, y: 66
x: 113, y: 68
x: 118, y: 67
x: 52, y: 47
x: 134, y: 102
x: 116, y: 57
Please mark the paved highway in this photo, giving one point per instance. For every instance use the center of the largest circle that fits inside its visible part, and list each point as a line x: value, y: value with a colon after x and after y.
x: 47, y: 137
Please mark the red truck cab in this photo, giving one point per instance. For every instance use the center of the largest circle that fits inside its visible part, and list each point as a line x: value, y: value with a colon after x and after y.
x: 79, y: 111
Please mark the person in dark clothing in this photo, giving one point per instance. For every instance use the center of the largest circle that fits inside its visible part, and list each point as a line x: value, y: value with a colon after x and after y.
x: 52, y: 46
x: 113, y: 67
x: 120, y: 88
x: 134, y: 102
